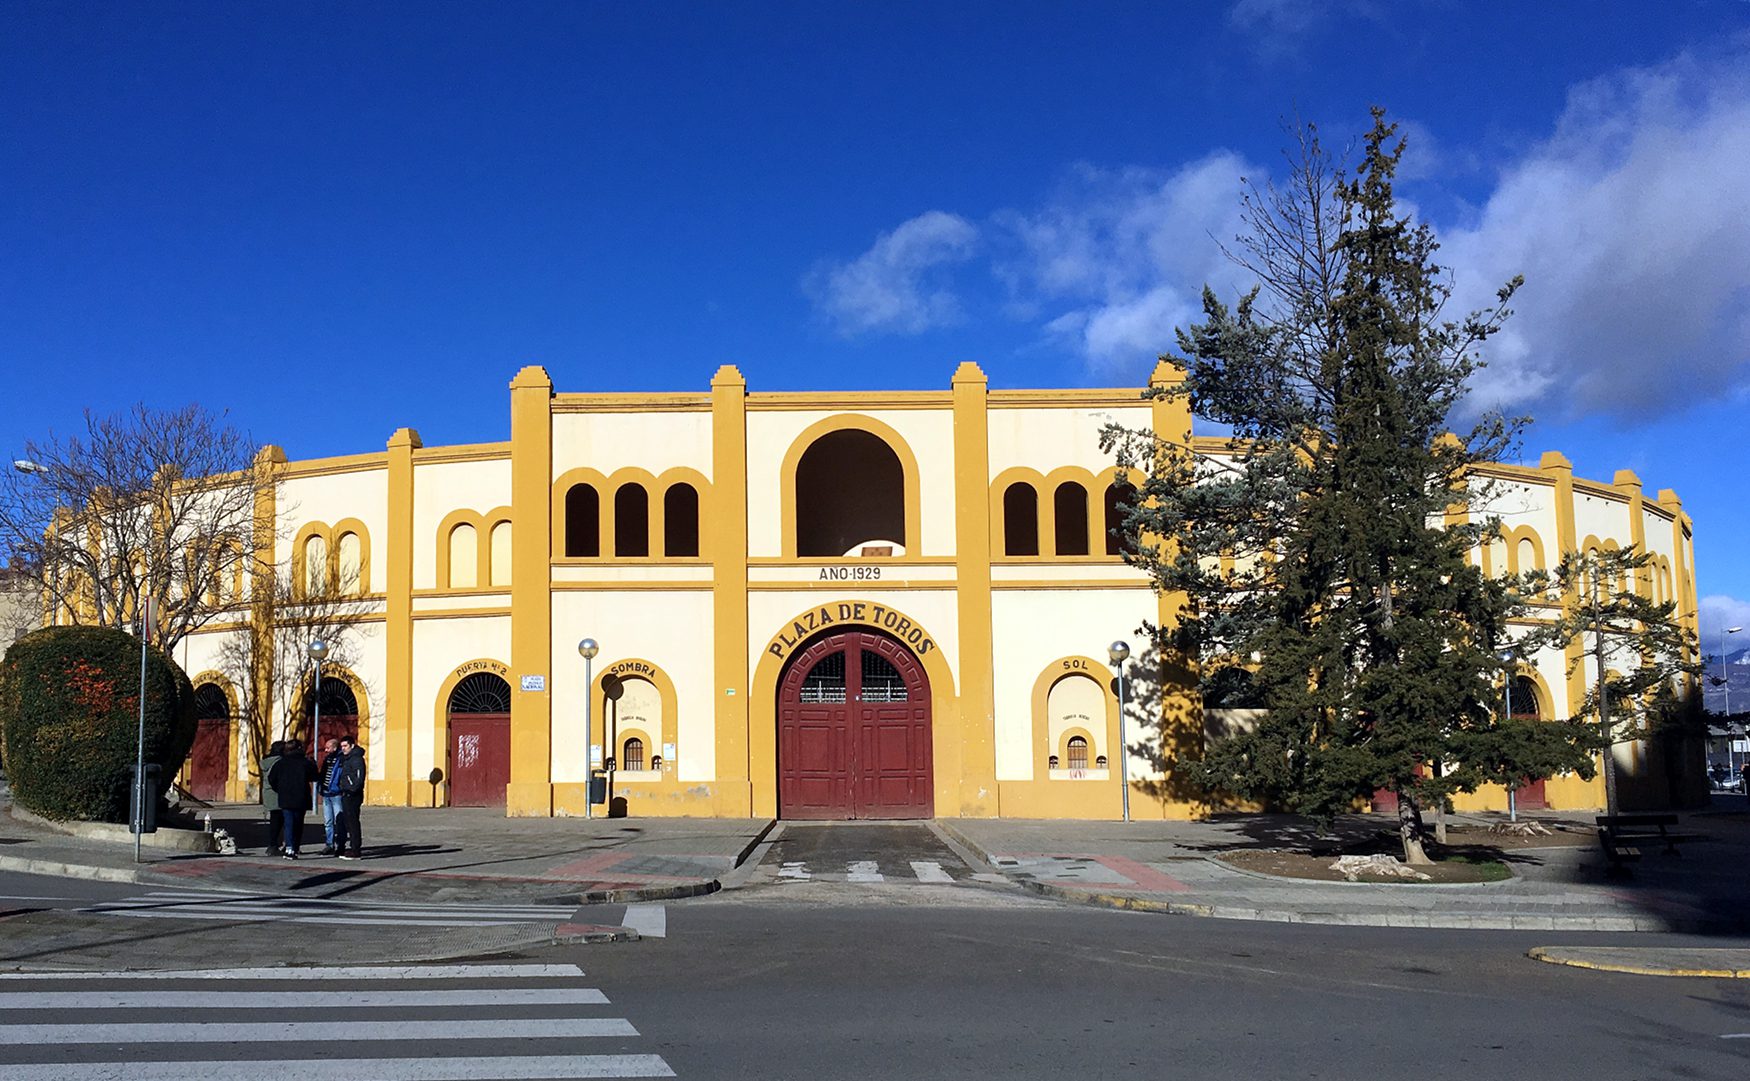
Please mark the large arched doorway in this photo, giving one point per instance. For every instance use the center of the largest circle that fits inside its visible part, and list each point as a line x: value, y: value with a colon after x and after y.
x: 209, y: 760
x: 854, y: 730
x: 1529, y: 796
x: 850, y: 496
x: 339, y: 719
x: 479, y: 741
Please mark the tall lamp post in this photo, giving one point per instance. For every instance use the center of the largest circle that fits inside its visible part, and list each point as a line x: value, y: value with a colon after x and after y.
x: 1512, y: 790
x: 587, y: 649
x: 1119, y: 652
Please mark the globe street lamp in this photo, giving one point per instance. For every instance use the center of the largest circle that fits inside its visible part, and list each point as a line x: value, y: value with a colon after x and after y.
x: 587, y: 649
x: 1119, y: 652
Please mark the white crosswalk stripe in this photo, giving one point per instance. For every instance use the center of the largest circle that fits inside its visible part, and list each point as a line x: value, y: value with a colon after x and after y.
x: 870, y: 871
x: 257, y: 907
x: 798, y: 871
x: 863, y: 871
x: 214, y: 1025
x: 930, y: 871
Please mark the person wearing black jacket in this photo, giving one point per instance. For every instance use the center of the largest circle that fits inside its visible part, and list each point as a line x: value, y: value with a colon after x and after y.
x: 291, y: 778
x: 349, y: 778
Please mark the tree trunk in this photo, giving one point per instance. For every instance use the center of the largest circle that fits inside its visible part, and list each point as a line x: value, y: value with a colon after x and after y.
x: 1410, y: 830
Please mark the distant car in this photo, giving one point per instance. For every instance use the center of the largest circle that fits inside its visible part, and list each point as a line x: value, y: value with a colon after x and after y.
x: 1731, y: 782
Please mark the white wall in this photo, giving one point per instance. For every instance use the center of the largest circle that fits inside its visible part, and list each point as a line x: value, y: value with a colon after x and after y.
x: 440, y: 646
x: 443, y: 487
x: 652, y: 441
x: 1046, y: 439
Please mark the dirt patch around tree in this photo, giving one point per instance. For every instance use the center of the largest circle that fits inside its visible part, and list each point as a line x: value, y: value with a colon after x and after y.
x: 1449, y: 867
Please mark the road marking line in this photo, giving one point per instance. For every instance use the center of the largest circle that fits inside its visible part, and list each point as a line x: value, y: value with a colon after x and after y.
x: 1736, y: 1036
x: 510, y: 1068
x: 306, y: 906
x: 930, y: 871
x: 797, y: 871
x: 649, y: 920
x: 340, y: 972
x: 863, y: 871
x: 359, y: 919
x: 324, y: 1031
x: 339, y: 902
x: 249, y: 1000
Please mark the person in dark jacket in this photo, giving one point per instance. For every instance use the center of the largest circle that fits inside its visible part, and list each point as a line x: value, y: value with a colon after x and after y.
x: 328, y: 792
x: 291, y: 779
x: 276, y: 823
x: 349, y: 779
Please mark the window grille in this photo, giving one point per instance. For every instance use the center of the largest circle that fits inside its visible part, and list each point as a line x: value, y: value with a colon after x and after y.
x: 481, y: 692
x: 210, y: 703
x: 881, y: 681
x: 825, y: 682
x: 634, y: 758
x: 1078, y: 753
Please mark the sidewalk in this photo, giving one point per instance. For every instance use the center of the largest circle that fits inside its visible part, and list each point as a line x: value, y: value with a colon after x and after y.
x: 1171, y: 867
x: 448, y: 854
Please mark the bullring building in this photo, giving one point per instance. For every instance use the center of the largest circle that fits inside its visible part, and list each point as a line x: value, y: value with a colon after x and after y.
x: 871, y: 604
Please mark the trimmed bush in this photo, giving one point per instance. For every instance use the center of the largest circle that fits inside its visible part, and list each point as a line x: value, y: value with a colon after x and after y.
x: 69, y: 717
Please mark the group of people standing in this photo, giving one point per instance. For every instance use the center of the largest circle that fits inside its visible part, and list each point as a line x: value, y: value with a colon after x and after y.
x: 339, y: 783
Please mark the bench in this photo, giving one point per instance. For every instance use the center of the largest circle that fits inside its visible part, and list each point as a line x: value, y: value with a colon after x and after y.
x: 1620, y: 835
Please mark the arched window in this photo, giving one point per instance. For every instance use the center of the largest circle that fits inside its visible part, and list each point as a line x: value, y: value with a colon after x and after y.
x: 351, y: 563
x: 464, y: 557
x: 1078, y: 753
x: 315, y: 565
x: 1020, y: 520
x: 583, y: 522
x: 631, y: 521
x: 1070, y: 502
x: 481, y: 692
x: 850, y: 495
x: 1525, y: 699
x: 680, y: 521
x: 499, y: 574
x: 1120, y: 496
x: 210, y: 703
x: 634, y: 756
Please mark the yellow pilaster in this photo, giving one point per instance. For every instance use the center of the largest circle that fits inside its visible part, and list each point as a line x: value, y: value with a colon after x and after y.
x: 1629, y: 485
x: 726, y: 547
x: 530, y: 792
x: 1181, y: 723
x: 397, y: 787
x: 269, y: 460
x: 1560, y: 471
x: 1683, y: 561
x: 977, y: 768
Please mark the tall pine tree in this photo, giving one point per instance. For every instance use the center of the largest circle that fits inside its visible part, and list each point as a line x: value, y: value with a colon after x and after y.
x: 1324, y: 561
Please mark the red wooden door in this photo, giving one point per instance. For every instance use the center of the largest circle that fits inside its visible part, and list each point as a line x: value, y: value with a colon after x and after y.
x: 854, y: 730
x: 1530, y: 797
x: 479, y: 759
x: 208, y: 760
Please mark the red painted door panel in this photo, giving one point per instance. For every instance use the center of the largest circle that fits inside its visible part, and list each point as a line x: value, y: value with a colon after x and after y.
x: 854, y: 730
x: 209, y: 759
x: 479, y: 759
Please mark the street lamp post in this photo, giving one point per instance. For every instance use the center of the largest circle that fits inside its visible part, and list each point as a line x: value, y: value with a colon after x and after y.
x: 1119, y: 652
x: 587, y: 649
x: 1512, y: 790
x: 318, y: 651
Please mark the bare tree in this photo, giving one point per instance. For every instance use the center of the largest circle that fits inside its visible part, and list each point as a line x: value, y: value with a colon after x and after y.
x: 145, y: 503
x: 267, y: 660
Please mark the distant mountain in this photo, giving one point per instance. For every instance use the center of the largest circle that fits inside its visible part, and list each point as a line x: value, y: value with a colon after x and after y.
x: 1736, y: 673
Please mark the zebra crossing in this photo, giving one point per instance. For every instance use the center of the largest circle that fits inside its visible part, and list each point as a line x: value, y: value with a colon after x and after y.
x: 242, y: 907
x: 360, y: 1023
x: 874, y: 871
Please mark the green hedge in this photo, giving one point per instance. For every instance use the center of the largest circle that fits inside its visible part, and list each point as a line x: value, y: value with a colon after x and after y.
x: 69, y: 717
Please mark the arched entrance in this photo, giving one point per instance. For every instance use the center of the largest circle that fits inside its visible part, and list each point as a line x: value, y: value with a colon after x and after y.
x: 854, y: 730
x: 479, y: 741
x: 209, y: 760
x: 1529, y: 796
x: 339, y: 719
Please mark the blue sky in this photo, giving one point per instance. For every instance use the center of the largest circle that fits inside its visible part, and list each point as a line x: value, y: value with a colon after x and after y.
x: 336, y: 220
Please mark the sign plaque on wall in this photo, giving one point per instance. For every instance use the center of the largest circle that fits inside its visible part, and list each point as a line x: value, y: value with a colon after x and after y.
x: 534, y: 683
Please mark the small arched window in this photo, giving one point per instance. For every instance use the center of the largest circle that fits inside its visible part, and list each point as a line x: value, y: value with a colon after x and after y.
x: 1078, y: 753
x: 351, y: 560
x: 464, y: 544
x: 631, y: 521
x: 680, y: 521
x: 1020, y: 520
x: 315, y: 566
x: 634, y: 756
x: 1120, y: 496
x: 1070, y: 502
x: 1525, y: 699
x: 583, y: 522
x: 500, y: 548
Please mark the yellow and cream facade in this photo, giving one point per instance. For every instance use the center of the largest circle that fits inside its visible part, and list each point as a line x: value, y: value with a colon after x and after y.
x: 828, y: 604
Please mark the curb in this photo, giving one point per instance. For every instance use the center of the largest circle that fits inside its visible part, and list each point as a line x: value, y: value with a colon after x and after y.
x: 24, y: 865
x: 633, y: 894
x: 166, y: 838
x: 946, y: 826
x: 1447, y: 921
x: 747, y: 849
x: 1544, y: 954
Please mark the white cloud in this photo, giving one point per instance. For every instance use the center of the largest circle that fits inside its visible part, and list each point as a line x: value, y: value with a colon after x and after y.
x: 896, y: 285
x: 1717, y: 612
x: 1631, y: 227
x: 1122, y: 255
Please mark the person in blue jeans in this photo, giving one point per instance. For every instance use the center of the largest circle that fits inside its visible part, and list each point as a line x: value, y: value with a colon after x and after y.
x: 330, y: 793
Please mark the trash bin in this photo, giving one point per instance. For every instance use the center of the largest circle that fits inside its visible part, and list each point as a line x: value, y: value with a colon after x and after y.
x: 598, y: 787
x: 143, y: 806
